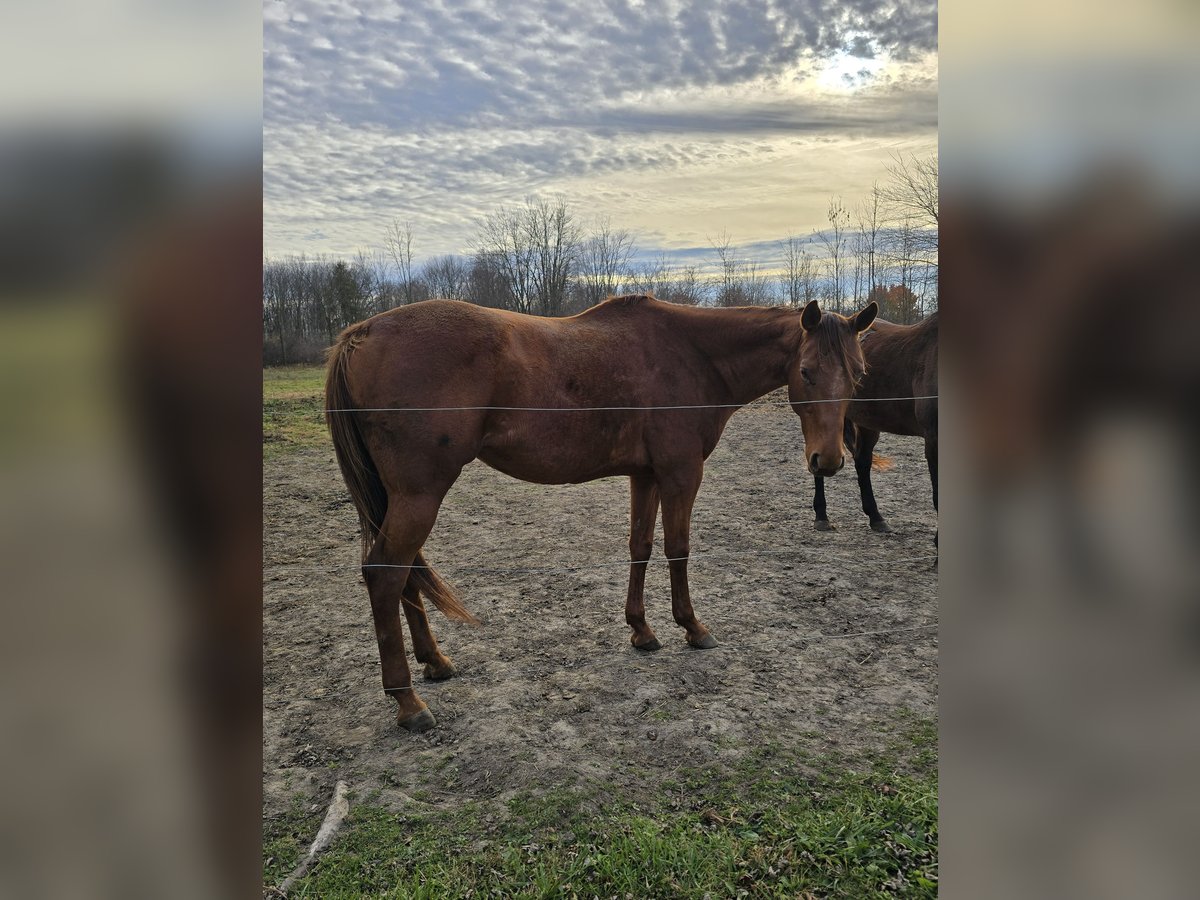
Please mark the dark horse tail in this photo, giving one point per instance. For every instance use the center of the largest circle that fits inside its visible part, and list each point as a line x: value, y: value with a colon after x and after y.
x: 362, y: 477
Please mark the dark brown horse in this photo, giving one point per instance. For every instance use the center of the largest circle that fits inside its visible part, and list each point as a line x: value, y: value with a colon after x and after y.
x: 901, y: 362
x: 418, y: 392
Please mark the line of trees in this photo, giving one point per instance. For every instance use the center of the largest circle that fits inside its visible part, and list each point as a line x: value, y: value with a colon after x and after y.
x: 542, y: 258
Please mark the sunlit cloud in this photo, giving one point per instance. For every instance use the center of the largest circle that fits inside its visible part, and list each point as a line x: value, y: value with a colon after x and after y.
x: 672, y: 121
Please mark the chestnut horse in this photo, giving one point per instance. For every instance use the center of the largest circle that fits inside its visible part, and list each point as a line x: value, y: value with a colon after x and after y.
x: 901, y: 362
x: 632, y: 387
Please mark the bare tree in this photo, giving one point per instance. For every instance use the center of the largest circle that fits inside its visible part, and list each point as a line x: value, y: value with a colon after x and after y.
x: 448, y: 277
x: 398, y: 241
x: 488, y: 281
x: 653, y: 276
x: 871, y: 223
x: 913, y: 189
x: 555, y: 239
x: 740, y: 282
x: 535, y: 249
x: 799, y: 277
x: 834, y: 241
x: 604, y: 261
x: 502, y: 248
x: 727, y: 292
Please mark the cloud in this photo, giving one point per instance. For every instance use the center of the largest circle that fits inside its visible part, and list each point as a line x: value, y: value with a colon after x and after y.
x: 378, y: 108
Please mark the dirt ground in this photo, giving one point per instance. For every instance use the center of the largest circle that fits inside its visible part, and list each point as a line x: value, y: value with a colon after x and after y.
x: 549, y: 690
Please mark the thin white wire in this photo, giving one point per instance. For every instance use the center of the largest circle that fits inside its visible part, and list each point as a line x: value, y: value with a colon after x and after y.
x: 583, y: 567
x: 621, y: 408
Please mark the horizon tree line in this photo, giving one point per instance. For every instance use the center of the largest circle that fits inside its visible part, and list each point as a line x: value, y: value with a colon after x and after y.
x: 543, y: 258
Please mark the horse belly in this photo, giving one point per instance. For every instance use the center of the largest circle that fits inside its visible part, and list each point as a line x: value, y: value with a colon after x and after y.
x: 892, y: 417
x: 566, y: 455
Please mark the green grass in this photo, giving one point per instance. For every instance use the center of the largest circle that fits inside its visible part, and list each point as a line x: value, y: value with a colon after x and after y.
x: 776, y: 826
x: 293, y: 400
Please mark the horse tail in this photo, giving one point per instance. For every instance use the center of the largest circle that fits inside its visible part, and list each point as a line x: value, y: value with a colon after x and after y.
x: 354, y: 459
x: 362, y: 477
x: 881, y: 463
x: 444, y: 597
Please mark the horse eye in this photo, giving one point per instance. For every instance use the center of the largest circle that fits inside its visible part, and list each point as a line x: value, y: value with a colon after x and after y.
x: 807, y: 376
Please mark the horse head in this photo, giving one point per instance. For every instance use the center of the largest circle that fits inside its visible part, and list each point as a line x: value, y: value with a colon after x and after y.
x: 822, y: 376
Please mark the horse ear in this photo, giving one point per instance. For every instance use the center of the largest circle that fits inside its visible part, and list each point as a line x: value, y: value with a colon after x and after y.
x: 864, y: 319
x: 811, y: 317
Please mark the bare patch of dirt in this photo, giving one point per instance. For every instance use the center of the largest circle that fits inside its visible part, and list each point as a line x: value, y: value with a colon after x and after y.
x: 550, y: 691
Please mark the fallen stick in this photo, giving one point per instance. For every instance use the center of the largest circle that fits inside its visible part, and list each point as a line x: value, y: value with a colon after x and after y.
x: 339, y: 807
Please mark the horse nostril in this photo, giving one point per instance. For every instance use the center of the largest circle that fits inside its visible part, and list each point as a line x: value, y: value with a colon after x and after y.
x: 815, y: 461
x: 841, y: 462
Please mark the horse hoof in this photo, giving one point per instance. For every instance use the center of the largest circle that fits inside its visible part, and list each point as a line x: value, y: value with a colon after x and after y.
x: 422, y: 721
x: 824, y: 525
x: 881, y: 526
x: 708, y: 642
x: 649, y: 646
x: 440, y: 672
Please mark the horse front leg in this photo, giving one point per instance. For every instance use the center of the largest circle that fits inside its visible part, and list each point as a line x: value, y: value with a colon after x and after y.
x: 643, y: 512
x: 822, y: 522
x: 678, y: 496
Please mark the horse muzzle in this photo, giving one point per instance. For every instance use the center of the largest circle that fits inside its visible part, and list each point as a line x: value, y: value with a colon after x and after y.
x: 825, y: 466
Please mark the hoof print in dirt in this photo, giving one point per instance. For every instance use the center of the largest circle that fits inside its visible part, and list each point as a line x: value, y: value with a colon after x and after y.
x: 422, y: 721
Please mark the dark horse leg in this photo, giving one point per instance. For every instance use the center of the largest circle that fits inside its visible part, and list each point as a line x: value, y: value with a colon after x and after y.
x: 863, y: 454
x: 822, y: 523
x: 407, y: 524
x: 678, y: 495
x: 438, y: 666
x: 643, y: 511
x: 927, y: 416
x: 931, y: 455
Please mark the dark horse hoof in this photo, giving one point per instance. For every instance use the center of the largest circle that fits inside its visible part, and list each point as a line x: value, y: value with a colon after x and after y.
x: 440, y: 673
x: 649, y: 646
x: 824, y: 525
x: 422, y: 721
x: 881, y: 526
x: 708, y: 642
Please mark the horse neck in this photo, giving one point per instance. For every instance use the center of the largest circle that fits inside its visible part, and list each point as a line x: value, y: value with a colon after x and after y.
x: 748, y: 346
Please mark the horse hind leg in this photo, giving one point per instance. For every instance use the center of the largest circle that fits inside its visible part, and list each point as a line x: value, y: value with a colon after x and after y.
x: 643, y: 512
x: 387, y: 574
x: 438, y: 666
x: 863, y: 458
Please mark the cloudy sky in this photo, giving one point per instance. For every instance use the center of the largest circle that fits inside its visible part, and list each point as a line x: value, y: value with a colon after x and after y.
x: 676, y: 120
